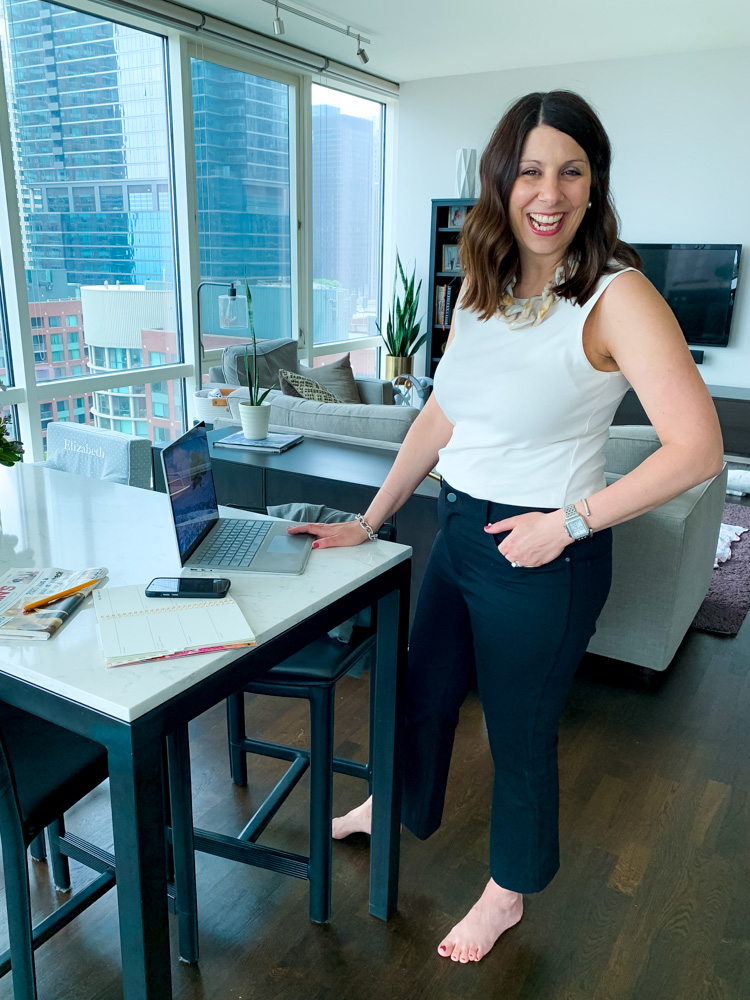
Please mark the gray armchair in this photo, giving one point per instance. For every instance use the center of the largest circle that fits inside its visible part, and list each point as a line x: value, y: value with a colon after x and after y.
x: 662, y: 562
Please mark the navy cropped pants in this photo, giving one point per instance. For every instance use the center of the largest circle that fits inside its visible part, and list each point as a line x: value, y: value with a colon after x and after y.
x: 522, y: 633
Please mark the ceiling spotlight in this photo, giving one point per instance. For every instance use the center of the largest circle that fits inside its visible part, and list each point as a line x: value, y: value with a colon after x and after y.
x: 278, y: 24
x: 363, y: 56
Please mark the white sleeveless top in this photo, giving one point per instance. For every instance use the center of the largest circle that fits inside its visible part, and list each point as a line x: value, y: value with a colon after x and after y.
x: 531, y: 415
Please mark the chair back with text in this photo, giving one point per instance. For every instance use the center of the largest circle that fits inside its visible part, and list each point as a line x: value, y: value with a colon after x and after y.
x: 99, y: 454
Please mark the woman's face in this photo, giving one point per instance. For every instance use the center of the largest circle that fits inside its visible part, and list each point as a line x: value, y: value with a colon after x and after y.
x: 549, y: 197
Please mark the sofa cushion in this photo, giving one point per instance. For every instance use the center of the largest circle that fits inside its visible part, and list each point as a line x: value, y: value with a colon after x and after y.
x: 272, y: 355
x: 302, y: 387
x: 337, y: 377
x: 343, y: 420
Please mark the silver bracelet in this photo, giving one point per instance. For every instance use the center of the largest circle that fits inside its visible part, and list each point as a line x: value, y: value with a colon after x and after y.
x: 371, y: 534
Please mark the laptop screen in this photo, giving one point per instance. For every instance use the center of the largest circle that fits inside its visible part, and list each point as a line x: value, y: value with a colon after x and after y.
x: 190, y: 484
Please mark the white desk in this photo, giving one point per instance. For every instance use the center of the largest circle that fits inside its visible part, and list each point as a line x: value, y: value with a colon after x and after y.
x: 51, y: 518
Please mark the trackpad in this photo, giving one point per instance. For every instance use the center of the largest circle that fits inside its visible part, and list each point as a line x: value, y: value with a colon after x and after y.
x: 287, y: 544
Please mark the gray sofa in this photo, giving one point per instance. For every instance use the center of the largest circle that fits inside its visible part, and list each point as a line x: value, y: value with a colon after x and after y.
x: 373, y: 422
x: 662, y: 562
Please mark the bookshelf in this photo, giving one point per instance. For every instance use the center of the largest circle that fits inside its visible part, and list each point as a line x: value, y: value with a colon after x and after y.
x: 444, y: 278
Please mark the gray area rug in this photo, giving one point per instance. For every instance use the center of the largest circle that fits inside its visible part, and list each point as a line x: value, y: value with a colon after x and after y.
x: 728, y: 598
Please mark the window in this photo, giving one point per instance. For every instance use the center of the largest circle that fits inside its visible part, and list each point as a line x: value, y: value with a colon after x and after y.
x: 154, y: 359
x: 56, y: 346
x: 242, y: 146
x: 63, y: 412
x: 76, y: 370
x: 161, y: 434
x: 40, y: 348
x: 89, y: 152
x: 74, y: 350
x: 36, y: 322
x: 347, y: 188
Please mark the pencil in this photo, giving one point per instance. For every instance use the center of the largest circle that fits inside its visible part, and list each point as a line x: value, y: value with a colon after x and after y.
x: 44, y: 601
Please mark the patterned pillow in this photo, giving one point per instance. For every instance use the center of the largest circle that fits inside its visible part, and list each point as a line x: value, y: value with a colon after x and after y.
x: 293, y: 384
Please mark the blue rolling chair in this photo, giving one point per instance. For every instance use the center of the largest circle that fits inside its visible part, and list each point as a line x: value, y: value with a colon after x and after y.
x: 311, y: 674
x: 44, y: 770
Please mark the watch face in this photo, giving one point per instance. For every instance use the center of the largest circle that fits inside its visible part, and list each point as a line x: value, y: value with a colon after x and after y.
x: 577, y: 528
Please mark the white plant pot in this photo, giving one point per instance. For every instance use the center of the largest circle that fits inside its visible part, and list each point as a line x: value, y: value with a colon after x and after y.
x: 254, y: 420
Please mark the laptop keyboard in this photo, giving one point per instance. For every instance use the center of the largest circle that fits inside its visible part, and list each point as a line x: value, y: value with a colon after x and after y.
x: 235, y: 542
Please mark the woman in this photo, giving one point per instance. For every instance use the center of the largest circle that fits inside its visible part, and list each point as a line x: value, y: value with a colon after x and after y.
x: 553, y: 323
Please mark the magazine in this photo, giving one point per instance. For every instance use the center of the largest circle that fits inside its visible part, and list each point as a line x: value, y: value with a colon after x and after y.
x: 19, y: 587
x: 274, y: 444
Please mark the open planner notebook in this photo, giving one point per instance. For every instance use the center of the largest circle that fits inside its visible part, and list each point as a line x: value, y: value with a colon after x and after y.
x: 134, y: 628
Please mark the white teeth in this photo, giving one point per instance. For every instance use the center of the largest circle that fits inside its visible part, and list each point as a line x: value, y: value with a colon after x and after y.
x: 546, y: 220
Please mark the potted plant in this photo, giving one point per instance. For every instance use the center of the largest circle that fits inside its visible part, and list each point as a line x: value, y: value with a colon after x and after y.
x: 401, y: 337
x: 10, y: 451
x: 254, y: 411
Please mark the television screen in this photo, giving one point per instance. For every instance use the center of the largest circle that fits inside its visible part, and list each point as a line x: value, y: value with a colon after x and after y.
x: 699, y: 283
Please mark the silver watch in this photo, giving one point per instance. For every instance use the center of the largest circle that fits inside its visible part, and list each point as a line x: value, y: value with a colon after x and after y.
x: 576, y: 524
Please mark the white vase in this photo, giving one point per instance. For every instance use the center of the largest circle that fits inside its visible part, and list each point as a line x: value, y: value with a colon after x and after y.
x: 254, y: 420
x: 466, y: 173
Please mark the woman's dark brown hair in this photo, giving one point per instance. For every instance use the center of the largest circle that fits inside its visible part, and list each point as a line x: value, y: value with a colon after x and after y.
x: 488, y: 249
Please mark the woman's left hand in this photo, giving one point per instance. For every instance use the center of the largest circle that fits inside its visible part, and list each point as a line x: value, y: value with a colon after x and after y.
x: 535, y: 538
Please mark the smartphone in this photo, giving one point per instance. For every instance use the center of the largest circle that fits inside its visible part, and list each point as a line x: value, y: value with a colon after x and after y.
x: 181, y: 586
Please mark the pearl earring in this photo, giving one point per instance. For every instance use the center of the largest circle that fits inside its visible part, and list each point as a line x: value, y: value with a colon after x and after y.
x: 589, y: 205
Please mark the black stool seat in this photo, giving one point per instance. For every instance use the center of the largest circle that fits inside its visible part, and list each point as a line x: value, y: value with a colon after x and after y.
x: 52, y: 767
x: 324, y: 661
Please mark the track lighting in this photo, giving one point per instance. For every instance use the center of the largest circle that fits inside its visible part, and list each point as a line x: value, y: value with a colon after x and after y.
x: 278, y: 24
x: 363, y: 56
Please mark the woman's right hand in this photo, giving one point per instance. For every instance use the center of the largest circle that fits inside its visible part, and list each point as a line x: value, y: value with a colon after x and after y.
x: 330, y: 535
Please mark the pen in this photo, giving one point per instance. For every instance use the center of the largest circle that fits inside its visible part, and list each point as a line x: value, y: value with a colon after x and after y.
x: 44, y: 601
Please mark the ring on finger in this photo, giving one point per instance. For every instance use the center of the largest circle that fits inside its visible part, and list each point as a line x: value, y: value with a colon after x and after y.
x: 514, y: 564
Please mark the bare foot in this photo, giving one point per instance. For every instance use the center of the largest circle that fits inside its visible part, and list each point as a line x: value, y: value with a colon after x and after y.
x: 495, y: 911
x: 359, y: 820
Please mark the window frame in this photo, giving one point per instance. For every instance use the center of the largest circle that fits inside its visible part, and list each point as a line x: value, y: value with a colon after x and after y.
x: 180, y: 45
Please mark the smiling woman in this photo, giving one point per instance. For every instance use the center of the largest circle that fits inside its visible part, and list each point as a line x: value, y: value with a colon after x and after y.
x: 553, y: 324
x: 544, y: 183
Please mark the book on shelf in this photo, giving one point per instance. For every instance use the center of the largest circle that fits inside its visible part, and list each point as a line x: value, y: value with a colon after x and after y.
x: 447, y: 309
x: 21, y: 587
x: 273, y: 444
x: 439, y: 305
x: 134, y: 628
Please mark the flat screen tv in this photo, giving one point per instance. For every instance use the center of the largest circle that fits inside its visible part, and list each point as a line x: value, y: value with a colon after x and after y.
x: 699, y: 281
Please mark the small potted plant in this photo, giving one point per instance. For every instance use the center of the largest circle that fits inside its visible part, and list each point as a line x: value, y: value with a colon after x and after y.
x: 10, y: 451
x: 254, y: 411
x: 401, y: 339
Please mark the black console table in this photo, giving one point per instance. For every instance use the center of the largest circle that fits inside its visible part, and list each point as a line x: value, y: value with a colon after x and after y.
x: 336, y: 474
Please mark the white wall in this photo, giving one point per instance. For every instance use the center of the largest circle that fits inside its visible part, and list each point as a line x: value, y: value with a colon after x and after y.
x: 681, y: 170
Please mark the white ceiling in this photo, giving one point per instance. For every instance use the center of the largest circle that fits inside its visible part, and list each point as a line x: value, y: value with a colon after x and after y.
x: 418, y: 39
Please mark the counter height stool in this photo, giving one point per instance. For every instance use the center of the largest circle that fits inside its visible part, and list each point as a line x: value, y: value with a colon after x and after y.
x: 44, y: 770
x: 312, y: 674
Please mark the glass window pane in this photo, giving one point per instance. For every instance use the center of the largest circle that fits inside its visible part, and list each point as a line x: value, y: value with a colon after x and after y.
x: 243, y: 186
x: 364, y: 361
x: 347, y: 179
x: 89, y: 120
x: 129, y: 409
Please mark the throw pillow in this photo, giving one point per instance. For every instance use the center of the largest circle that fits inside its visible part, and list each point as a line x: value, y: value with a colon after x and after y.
x: 293, y: 384
x: 337, y: 377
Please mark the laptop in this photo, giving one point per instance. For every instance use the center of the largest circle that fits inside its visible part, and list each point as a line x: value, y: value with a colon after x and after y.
x: 222, y: 544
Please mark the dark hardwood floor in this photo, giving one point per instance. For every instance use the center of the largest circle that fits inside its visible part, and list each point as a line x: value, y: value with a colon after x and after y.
x: 652, y: 901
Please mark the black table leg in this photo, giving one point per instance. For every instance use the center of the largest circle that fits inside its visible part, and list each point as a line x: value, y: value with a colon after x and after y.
x: 181, y: 809
x: 390, y: 676
x: 135, y: 771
